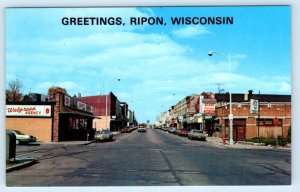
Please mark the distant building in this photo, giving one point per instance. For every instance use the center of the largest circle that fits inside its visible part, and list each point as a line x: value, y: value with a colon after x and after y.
x: 210, y: 111
x: 111, y: 113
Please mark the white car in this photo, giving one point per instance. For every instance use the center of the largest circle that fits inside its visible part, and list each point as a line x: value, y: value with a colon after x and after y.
x: 141, y: 129
x: 197, y: 134
x: 21, y: 137
x: 103, y: 135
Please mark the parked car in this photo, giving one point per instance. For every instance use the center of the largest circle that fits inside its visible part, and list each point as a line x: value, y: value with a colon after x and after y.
x: 141, y: 128
x: 172, y: 130
x: 22, y: 138
x: 104, y: 135
x: 126, y: 130
x: 197, y: 134
x: 182, y: 132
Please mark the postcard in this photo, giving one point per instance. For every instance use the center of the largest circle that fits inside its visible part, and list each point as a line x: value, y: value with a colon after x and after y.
x: 148, y: 96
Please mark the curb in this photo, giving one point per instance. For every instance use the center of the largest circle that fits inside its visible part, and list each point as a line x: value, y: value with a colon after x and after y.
x: 88, y: 143
x: 21, y: 165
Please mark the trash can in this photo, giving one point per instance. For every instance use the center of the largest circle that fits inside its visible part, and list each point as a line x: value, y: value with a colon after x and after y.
x: 10, y: 146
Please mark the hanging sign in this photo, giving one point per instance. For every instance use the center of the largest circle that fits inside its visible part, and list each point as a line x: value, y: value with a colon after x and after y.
x: 254, y: 106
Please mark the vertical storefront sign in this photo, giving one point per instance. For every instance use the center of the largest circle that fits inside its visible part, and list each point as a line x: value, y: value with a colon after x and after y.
x: 254, y: 106
x: 201, y: 107
x: 67, y: 101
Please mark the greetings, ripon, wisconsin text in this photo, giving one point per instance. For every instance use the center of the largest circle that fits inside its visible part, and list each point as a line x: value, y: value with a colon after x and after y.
x: 147, y: 21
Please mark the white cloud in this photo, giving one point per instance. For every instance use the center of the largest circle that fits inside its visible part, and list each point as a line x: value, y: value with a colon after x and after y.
x: 153, y: 67
x: 285, y: 87
x: 190, y: 31
x: 239, y: 56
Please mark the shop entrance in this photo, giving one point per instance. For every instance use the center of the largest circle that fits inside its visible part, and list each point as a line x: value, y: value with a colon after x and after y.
x: 74, y: 127
x: 239, y: 129
x: 239, y: 126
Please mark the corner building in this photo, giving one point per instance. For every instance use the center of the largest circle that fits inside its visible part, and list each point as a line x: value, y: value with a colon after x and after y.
x: 247, y: 125
x: 61, y: 118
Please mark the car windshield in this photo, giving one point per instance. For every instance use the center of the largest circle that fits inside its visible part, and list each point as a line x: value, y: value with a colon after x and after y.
x: 19, y: 133
x: 197, y: 131
x: 106, y: 131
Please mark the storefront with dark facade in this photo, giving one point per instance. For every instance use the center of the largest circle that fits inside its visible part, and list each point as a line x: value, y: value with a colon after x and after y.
x: 73, y: 119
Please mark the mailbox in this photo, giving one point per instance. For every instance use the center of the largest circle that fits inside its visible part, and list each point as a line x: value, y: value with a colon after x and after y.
x: 10, y: 146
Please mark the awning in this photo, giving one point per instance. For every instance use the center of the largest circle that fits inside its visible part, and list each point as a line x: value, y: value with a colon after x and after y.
x: 71, y: 112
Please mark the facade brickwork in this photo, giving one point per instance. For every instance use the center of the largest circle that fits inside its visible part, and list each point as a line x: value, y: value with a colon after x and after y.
x: 55, y: 131
x: 268, y: 111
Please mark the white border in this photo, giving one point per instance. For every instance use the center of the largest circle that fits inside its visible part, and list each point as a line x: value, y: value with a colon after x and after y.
x: 94, y: 3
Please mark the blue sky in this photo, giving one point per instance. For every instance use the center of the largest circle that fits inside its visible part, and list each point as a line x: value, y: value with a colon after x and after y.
x: 153, y: 62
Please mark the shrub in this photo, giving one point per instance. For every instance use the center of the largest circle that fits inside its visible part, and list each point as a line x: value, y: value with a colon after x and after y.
x: 269, y: 141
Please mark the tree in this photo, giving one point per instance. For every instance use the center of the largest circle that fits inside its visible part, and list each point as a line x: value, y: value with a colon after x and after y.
x: 53, y: 90
x: 13, y: 93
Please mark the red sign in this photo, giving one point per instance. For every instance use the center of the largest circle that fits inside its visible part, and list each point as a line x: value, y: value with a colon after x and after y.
x: 209, y: 108
x: 276, y: 121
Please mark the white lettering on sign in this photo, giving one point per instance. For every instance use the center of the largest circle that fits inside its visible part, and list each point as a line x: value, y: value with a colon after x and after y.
x: 28, y: 110
x: 209, y: 108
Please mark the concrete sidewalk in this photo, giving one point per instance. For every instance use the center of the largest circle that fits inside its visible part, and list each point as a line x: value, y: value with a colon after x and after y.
x: 218, y: 142
x: 71, y: 142
x: 66, y: 143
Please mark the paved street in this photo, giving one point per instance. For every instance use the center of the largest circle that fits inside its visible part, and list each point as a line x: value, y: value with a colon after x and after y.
x: 154, y: 158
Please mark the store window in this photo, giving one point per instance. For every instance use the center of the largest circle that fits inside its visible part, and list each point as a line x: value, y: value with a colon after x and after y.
x: 268, y: 122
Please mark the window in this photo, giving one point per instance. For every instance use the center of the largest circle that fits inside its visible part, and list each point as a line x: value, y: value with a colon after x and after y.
x: 268, y: 122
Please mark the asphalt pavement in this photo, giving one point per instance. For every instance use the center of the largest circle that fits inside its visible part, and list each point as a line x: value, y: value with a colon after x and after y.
x: 154, y: 158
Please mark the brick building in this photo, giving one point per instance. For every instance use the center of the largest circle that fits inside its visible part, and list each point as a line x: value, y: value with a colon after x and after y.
x: 110, y: 112
x: 247, y: 125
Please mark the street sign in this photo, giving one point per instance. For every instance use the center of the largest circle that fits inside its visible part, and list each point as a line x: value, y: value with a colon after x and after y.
x: 207, y: 117
x: 254, y: 106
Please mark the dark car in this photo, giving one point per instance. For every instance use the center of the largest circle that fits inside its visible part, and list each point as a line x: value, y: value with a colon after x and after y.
x: 126, y: 130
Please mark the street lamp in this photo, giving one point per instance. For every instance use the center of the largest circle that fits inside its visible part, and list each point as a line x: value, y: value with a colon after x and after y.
x: 106, y: 101
x: 230, y: 117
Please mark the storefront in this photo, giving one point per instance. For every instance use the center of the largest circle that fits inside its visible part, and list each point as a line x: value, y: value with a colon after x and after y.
x: 32, y: 118
x: 272, y: 117
x: 64, y: 118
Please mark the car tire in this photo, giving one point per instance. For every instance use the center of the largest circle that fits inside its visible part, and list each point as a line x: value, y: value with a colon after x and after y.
x: 17, y: 142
